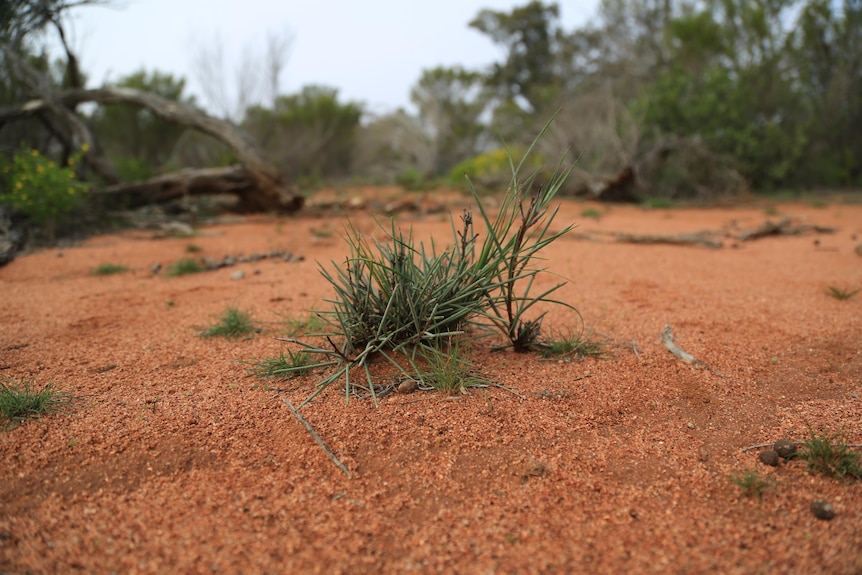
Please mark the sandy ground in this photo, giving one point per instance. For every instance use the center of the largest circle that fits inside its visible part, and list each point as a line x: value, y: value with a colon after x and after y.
x: 176, y: 460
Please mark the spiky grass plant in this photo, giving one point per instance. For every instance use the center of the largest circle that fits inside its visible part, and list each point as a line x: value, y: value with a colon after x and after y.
x: 831, y: 456
x: 572, y: 344
x: 109, y: 269
x: 232, y: 324
x: 184, y: 267
x: 20, y: 400
x: 404, y: 301
x: 751, y: 483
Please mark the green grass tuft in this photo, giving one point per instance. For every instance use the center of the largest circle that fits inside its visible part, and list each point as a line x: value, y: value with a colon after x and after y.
x: 184, y: 267
x: 841, y: 294
x: 751, y: 483
x: 20, y: 400
x: 285, y: 366
x: 448, y: 368
x: 592, y: 213
x: 232, y: 324
x: 572, y: 345
x: 109, y: 269
x: 193, y: 248
x: 831, y: 456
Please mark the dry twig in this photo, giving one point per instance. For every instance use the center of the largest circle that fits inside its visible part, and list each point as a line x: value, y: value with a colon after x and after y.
x: 316, y: 437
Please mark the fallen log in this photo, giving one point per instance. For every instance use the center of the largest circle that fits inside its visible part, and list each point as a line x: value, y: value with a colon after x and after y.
x: 264, y: 189
x: 783, y: 227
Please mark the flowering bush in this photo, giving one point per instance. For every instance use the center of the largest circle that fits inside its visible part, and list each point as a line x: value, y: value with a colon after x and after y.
x: 39, y: 188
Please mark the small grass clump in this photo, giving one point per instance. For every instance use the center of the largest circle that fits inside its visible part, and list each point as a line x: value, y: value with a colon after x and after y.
x: 184, y: 267
x: 572, y: 345
x: 751, y: 483
x: 193, y: 249
x: 841, y: 294
x: 109, y: 270
x: 831, y: 456
x: 592, y: 213
x: 448, y: 369
x: 20, y: 400
x: 285, y: 366
x: 232, y: 324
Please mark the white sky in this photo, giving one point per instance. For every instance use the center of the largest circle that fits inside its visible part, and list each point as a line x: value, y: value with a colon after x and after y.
x: 373, y: 51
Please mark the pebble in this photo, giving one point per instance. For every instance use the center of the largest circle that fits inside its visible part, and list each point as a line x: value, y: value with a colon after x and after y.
x: 822, y: 510
x: 785, y: 448
x: 237, y: 275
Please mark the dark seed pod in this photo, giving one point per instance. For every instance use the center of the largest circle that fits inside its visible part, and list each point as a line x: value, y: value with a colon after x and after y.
x: 822, y: 509
x: 785, y: 448
x: 769, y: 457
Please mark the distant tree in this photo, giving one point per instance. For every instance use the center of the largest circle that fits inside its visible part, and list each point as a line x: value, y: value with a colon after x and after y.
x: 451, y: 102
x: 392, y: 145
x: 310, y: 134
x: 827, y: 53
x: 528, y: 33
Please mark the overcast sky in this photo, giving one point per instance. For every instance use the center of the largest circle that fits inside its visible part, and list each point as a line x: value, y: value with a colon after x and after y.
x: 373, y: 51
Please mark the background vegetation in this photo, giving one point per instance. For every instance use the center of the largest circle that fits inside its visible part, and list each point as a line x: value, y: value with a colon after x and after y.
x: 692, y: 98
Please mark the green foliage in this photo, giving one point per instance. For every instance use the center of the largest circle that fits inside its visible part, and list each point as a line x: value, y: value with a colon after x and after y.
x: 831, y: 456
x: 20, y: 400
x: 405, y: 301
x: 310, y: 134
x: 751, y: 483
x: 232, y: 324
x: 528, y: 35
x: 285, y: 366
x: 841, y: 294
x: 39, y: 188
x: 184, y: 267
x: 446, y: 367
x: 413, y: 180
x: 593, y: 213
x: 451, y: 102
x: 193, y: 248
x: 109, y: 269
x: 572, y: 344
x: 492, y: 170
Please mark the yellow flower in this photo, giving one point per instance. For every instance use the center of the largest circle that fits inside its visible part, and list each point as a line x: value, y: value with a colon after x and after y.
x: 85, y: 148
x: 71, y: 191
x: 39, y: 169
x: 19, y: 184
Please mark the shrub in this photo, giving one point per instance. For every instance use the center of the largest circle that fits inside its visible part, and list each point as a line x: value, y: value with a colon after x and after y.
x: 492, y: 170
x: 40, y: 189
